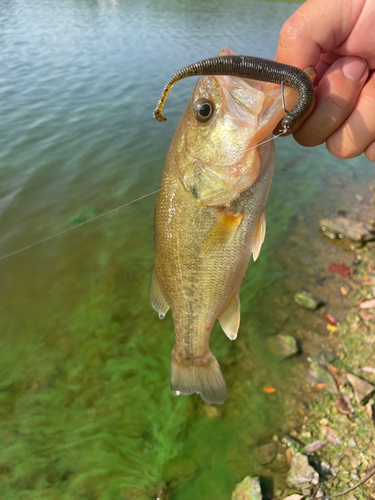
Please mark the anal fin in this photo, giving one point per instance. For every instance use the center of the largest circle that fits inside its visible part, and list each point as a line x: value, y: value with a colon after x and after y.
x: 260, y: 233
x: 157, y: 299
x: 230, y: 318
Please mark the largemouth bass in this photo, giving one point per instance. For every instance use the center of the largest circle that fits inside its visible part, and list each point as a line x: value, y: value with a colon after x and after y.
x: 210, y: 219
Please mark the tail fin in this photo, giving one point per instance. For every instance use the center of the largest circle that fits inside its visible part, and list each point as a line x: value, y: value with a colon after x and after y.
x: 201, y: 376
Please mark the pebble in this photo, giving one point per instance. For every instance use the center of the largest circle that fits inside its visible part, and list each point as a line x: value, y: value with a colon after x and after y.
x: 325, y: 467
x: 352, y: 442
x: 283, y: 346
x: 324, y: 421
x: 319, y: 493
x: 308, y: 300
x: 334, y: 471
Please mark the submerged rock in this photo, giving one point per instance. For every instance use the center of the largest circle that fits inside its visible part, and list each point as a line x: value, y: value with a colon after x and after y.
x: 248, y: 489
x: 283, y: 345
x: 301, y: 475
x: 362, y: 389
x: 347, y: 228
x: 266, y: 453
x: 308, y: 300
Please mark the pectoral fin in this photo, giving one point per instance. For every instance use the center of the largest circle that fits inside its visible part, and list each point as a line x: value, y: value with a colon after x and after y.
x: 260, y: 233
x: 230, y: 318
x: 157, y: 299
x: 221, y: 232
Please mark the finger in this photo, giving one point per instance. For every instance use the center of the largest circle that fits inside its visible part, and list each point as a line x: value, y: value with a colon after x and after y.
x: 335, y: 98
x: 324, y: 64
x: 358, y: 131
x: 370, y: 152
x: 316, y: 27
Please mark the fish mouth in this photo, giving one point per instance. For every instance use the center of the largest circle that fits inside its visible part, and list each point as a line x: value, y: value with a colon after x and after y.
x: 241, y: 101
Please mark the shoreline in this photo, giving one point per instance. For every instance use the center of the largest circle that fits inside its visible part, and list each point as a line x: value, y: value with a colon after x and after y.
x: 332, y: 449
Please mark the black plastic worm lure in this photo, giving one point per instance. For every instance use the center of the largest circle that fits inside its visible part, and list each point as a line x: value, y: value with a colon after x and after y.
x: 254, y: 68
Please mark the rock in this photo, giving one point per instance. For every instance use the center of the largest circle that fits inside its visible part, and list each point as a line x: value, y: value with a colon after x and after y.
x: 363, y: 390
x: 266, y: 453
x: 301, y: 475
x: 319, y: 493
x: 352, y: 442
x: 348, y: 228
x: 283, y: 345
x: 248, y: 489
x: 308, y: 300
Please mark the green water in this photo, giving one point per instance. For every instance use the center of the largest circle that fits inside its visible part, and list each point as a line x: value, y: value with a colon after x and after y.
x: 85, y: 406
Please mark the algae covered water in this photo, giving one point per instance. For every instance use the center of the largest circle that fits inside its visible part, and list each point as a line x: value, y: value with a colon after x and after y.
x: 86, y: 410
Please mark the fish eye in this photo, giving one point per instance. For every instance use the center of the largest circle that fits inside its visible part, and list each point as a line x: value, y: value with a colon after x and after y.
x: 203, y: 110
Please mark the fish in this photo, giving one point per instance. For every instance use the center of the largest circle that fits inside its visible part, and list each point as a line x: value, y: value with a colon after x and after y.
x: 210, y: 217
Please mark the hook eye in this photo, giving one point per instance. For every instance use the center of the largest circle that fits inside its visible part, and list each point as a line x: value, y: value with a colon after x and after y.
x: 203, y: 110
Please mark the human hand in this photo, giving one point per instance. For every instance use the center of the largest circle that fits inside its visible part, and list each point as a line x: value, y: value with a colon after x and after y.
x: 338, y: 38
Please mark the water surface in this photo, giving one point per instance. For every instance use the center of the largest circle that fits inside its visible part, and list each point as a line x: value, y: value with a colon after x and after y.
x: 86, y: 410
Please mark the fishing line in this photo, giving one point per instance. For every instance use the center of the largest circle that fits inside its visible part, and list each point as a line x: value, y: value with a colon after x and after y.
x: 23, y: 249
x: 78, y: 225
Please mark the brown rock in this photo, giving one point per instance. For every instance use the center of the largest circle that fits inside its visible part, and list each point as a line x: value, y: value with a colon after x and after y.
x: 362, y: 389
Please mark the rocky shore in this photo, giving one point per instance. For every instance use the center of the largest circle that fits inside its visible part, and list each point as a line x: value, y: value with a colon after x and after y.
x: 332, y: 452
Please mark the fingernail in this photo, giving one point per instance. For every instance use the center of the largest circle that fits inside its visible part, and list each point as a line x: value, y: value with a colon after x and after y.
x: 354, y: 68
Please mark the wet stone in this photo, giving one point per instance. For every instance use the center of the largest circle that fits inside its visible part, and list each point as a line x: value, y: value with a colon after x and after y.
x: 266, y: 453
x: 308, y: 300
x: 301, y: 474
x: 362, y: 389
x: 283, y: 345
x: 348, y: 228
x: 248, y: 489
